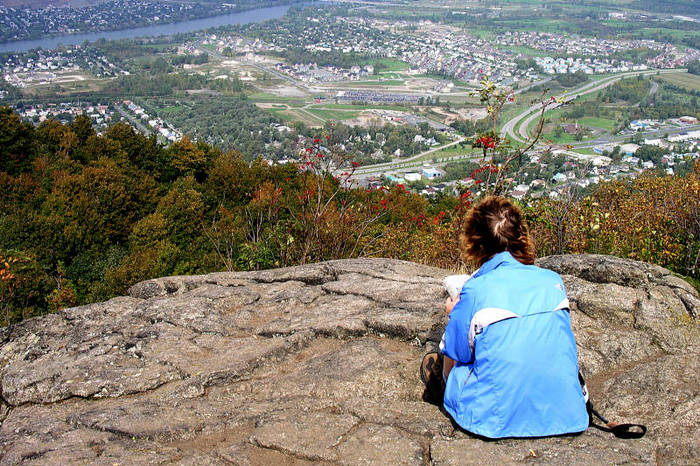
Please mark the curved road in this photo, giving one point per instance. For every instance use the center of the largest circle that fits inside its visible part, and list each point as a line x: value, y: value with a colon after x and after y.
x: 524, y: 119
x: 394, y: 164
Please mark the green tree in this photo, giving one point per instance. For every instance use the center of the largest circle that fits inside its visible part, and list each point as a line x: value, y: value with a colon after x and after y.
x: 16, y: 142
x: 82, y: 127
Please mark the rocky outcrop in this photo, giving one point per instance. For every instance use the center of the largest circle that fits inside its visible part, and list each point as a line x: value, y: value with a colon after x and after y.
x: 319, y: 364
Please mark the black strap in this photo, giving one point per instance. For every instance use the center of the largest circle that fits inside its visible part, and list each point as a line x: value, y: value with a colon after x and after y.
x: 624, y: 431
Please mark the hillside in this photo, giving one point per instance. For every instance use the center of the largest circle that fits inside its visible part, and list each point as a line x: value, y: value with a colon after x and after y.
x: 85, y: 216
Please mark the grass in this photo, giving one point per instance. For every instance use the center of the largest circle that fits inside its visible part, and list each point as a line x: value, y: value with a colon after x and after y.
x: 335, y: 114
x: 509, y: 112
x: 482, y: 33
x: 524, y: 50
x: 339, y: 106
x: 158, y: 47
x: 275, y: 99
x: 388, y: 82
x: 565, y: 138
x: 390, y: 64
x: 294, y: 115
x: 555, y: 117
x: 391, y: 75
x: 538, y: 24
x: 448, y: 152
x: 585, y: 151
x: 685, y: 80
x: 676, y: 35
x: 331, y: 106
x: 455, y: 81
x: 173, y: 108
x: 598, y: 122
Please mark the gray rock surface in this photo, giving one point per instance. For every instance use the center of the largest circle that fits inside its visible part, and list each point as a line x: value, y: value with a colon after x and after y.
x: 319, y: 364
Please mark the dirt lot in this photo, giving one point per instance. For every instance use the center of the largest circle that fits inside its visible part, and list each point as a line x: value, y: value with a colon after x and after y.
x: 472, y: 113
x: 285, y: 91
x: 365, y: 120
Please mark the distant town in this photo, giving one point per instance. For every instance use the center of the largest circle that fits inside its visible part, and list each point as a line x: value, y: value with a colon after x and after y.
x: 398, y: 88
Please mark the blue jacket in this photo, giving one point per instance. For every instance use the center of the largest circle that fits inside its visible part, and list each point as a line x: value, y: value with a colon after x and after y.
x: 516, y: 371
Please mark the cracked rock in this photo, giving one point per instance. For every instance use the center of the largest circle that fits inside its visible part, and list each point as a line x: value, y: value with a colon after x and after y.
x: 318, y: 364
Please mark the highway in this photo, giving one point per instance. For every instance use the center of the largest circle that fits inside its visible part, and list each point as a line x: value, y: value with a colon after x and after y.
x: 656, y: 133
x: 401, y: 161
x: 523, y: 120
x: 397, y: 168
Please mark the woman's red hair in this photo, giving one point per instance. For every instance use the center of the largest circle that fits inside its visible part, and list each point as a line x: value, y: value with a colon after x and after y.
x: 492, y: 226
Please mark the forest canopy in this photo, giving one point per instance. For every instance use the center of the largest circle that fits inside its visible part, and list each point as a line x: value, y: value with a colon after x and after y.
x: 84, y: 216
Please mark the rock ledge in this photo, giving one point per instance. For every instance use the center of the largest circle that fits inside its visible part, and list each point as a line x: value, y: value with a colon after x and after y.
x: 319, y: 364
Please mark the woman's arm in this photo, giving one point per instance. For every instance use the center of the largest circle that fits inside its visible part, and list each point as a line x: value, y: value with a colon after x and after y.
x: 457, y: 331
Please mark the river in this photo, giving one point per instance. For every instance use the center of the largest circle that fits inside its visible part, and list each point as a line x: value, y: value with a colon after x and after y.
x: 244, y: 17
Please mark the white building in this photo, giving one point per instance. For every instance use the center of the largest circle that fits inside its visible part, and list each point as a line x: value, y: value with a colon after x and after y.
x: 430, y: 172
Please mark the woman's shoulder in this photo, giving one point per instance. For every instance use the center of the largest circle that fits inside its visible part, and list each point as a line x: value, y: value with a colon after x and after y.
x: 509, y: 276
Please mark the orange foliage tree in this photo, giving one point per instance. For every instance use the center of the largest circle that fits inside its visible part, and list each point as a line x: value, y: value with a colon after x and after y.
x: 653, y: 218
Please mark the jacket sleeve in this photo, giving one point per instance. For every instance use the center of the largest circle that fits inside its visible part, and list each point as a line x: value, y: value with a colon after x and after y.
x: 457, y: 331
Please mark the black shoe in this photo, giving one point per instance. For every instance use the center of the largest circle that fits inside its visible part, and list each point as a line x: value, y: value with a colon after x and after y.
x: 431, y: 375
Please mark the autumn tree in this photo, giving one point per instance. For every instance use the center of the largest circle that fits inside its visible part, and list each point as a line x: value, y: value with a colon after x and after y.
x: 16, y: 143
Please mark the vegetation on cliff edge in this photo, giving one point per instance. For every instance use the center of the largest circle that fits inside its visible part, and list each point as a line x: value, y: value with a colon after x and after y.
x: 84, y: 216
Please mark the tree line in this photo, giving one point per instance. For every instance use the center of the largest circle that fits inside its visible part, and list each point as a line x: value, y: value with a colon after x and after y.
x: 84, y: 216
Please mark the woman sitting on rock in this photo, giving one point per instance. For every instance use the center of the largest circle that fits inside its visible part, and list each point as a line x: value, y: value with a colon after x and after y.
x: 510, y: 362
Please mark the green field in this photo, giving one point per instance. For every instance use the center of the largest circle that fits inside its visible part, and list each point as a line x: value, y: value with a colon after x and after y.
x: 676, y: 36
x: 597, y: 122
x: 388, y: 82
x: 585, y: 151
x: 392, y: 75
x: 449, y: 152
x: 276, y: 99
x: 524, y: 50
x: 537, y: 24
x: 390, y: 64
x: 292, y: 115
x: 328, y: 114
x: 565, y: 138
x: 509, y: 112
x: 455, y: 81
x: 555, y: 117
x: 173, y: 108
x: 482, y: 34
x: 686, y: 80
x: 331, y: 106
